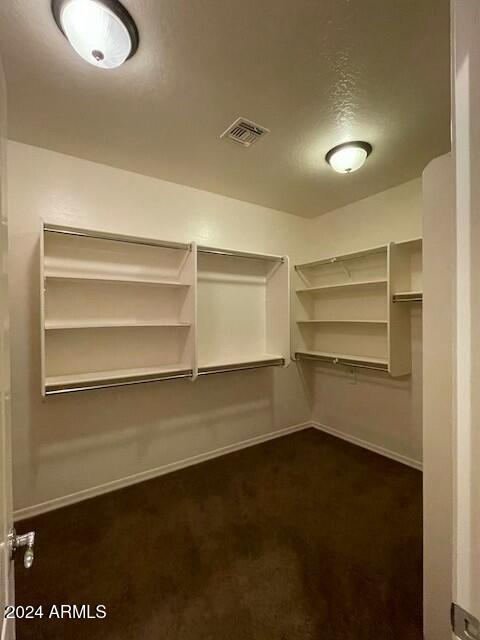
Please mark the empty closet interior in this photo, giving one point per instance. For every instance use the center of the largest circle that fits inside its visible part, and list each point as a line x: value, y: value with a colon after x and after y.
x: 217, y: 242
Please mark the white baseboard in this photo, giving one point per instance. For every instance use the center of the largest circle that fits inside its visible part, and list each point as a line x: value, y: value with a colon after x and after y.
x: 56, y: 503
x: 416, y: 464
x: 72, y: 498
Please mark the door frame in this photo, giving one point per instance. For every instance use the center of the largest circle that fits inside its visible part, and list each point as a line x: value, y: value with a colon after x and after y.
x: 7, y: 628
x: 466, y: 418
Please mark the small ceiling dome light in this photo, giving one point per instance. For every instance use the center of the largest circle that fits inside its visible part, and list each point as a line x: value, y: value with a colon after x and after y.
x: 102, y: 32
x: 348, y: 157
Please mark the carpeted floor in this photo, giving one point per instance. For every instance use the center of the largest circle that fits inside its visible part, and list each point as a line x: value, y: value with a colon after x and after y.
x: 304, y: 537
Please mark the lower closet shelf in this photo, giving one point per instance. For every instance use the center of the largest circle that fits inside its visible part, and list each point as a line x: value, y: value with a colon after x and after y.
x: 365, y: 362
x: 339, y: 321
x: 256, y: 362
x: 105, y: 324
x: 408, y: 296
x: 97, y: 379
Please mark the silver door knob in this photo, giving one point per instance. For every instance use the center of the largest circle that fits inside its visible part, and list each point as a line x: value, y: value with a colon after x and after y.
x: 28, y: 558
x: 25, y: 540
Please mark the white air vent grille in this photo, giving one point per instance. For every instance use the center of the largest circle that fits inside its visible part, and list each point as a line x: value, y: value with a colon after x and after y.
x: 244, y: 132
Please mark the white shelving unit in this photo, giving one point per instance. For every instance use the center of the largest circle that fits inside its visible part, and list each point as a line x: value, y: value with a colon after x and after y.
x: 118, y: 310
x: 405, y: 285
x: 115, y: 309
x: 345, y: 312
x: 243, y: 310
x: 407, y: 273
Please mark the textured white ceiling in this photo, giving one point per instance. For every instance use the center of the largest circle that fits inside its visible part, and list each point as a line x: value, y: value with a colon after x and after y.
x: 315, y: 72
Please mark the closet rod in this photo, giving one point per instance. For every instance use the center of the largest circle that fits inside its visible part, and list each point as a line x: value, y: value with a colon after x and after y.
x: 203, y: 371
x: 358, y: 364
x: 240, y: 254
x: 99, y: 235
x: 344, y: 258
x: 122, y: 383
x: 408, y: 297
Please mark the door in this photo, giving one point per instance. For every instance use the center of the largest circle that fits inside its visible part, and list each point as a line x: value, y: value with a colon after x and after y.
x: 466, y: 148
x: 6, y: 566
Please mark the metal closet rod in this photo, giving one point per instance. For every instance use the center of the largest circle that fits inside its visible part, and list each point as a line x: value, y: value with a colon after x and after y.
x: 121, y: 383
x: 188, y: 373
x: 203, y: 371
x: 240, y: 254
x: 100, y: 235
x: 407, y: 297
x: 344, y: 362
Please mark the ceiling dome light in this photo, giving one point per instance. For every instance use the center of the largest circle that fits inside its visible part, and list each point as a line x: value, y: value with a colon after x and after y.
x: 102, y: 32
x: 348, y: 157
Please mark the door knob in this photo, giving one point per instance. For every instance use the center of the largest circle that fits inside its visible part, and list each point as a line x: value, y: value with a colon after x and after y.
x: 25, y: 540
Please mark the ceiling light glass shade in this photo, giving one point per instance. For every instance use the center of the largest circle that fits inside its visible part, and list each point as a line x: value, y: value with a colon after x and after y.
x: 348, y: 157
x: 102, y: 33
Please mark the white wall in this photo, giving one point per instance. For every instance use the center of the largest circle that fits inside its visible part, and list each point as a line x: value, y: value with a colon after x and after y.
x: 382, y: 412
x: 73, y: 443
x: 438, y: 321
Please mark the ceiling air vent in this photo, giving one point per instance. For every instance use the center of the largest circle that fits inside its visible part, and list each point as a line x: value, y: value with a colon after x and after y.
x: 244, y: 131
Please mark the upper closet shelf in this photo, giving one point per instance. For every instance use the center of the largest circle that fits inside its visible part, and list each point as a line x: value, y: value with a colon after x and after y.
x: 342, y: 285
x: 115, y: 237
x: 411, y: 242
x: 342, y: 258
x: 234, y: 253
x: 114, y: 279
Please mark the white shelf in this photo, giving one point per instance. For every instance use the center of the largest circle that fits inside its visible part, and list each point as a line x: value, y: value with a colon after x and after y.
x: 335, y: 321
x: 411, y: 242
x: 99, y: 377
x: 344, y: 356
x: 343, y: 285
x: 341, y: 258
x: 263, y: 357
x: 113, y: 280
x: 407, y: 293
x: 231, y: 364
x: 106, y: 325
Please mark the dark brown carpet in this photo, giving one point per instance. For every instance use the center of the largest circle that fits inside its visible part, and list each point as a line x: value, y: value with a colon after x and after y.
x: 304, y: 537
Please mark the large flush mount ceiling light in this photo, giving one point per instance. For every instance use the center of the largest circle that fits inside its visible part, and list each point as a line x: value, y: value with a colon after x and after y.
x: 348, y: 157
x: 102, y: 32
